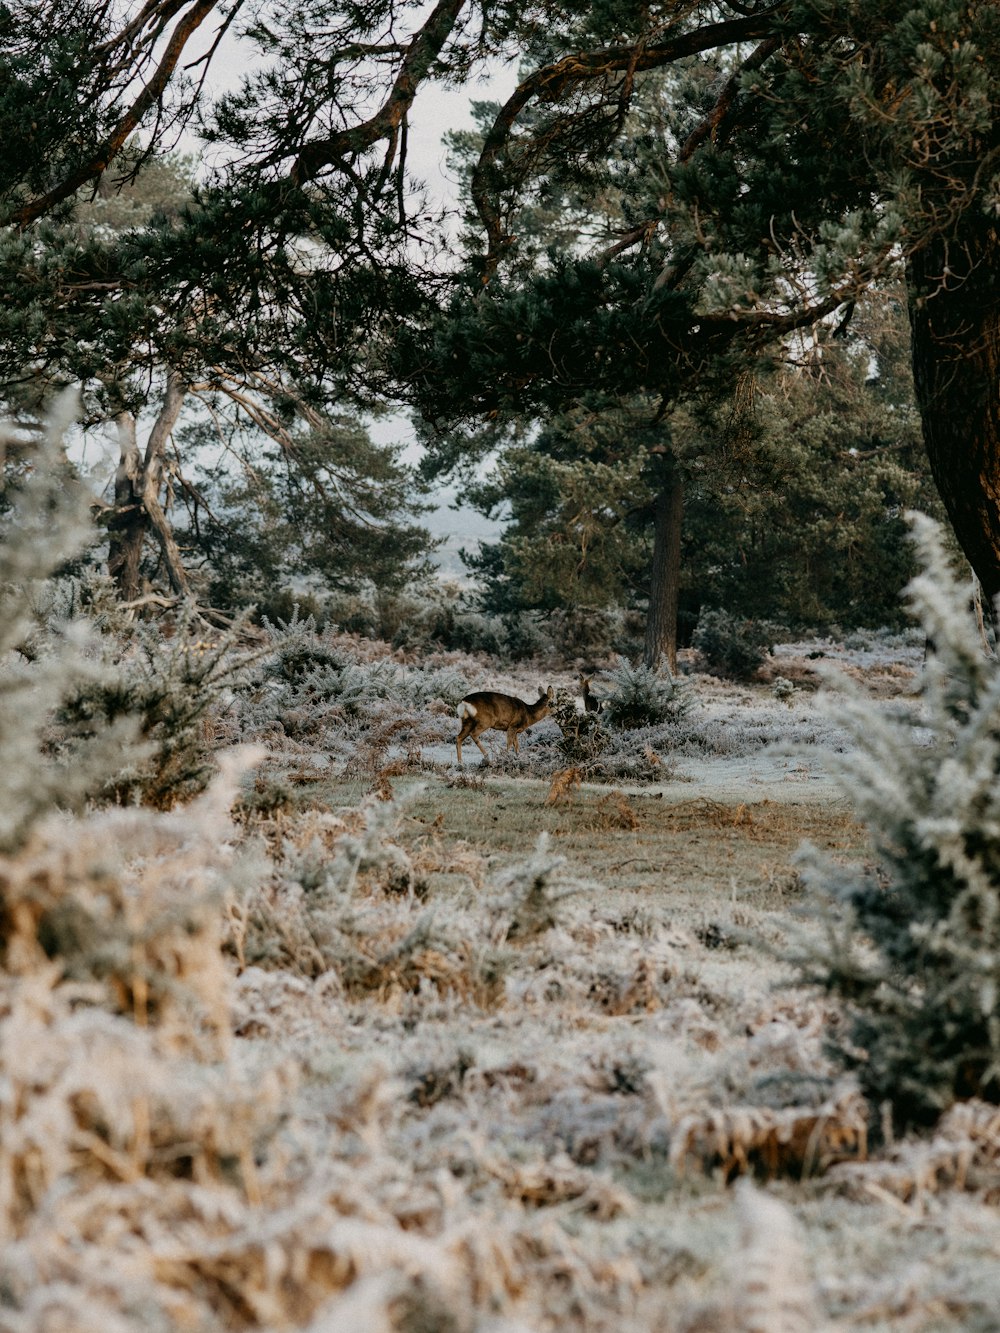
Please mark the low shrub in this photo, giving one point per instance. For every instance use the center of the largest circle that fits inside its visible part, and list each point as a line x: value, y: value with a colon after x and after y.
x: 643, y: 696
x: 729, y: 646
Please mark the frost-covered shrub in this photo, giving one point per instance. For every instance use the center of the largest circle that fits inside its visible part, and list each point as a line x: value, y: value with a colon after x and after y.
x: 528, y: 897
x: 912, y: 938
x: 169, y: 689
x: 642, y: 696
x: 297, y: 647
x: 311, y: 673
x: 525, y: 635
x: 347, y: 903
x: 729, y: 646
x: 132, y: 901
x: 46, y: 658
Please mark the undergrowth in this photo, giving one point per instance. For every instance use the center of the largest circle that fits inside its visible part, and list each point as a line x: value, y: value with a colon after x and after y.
x: 350, y: 1066
x: 912, y: 939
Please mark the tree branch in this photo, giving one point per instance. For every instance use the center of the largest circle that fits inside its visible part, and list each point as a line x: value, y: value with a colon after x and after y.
x: 421, y: 53
x: 551, y: 82
x: 98, y: 161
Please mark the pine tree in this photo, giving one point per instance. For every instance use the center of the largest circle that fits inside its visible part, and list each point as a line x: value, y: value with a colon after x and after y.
x: 815, y: 147
x: 809, y: 149
x: 794, y: 491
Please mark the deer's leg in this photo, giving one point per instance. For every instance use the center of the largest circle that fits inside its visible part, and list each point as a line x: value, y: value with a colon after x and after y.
x: 467, y: 727
x: 475, y: 737
x: 512, y: 739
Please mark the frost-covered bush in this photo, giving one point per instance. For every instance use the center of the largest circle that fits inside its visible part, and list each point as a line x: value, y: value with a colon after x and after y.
x: 642, y: 696
x: 912, y: 938
x: 169, y: 688
x: 528, y: 897
x: 310, y: 669
x: 45, y: 658
x: 729, y: 646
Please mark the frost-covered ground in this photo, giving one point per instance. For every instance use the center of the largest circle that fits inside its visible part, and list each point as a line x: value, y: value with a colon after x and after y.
x: 505, y: 1048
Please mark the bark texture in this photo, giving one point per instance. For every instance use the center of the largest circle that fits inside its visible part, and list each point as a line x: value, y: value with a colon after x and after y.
x: 664, y: 586
x: 954, y: 285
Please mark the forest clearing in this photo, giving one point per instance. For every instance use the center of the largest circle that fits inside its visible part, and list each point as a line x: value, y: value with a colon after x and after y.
x: 672, y: 1001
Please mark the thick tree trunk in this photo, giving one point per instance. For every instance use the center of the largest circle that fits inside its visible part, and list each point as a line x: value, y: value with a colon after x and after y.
x: 664, y: 585
x: 954, y: 287
x: 137, y: 512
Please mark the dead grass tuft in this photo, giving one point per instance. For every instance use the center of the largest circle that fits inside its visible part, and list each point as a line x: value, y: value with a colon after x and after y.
x: 560, y: 1180
x: 962, y: 1154
x: 565, y: 784
x: 615, y: 811
x: 796, y: 1141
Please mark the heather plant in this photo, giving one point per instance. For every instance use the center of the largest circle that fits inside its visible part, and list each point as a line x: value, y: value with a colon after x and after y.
x: 642, y: 696
x: 309, y: 668
x: 529, y: 897
x: 316, y: 914
x: 911, y: 945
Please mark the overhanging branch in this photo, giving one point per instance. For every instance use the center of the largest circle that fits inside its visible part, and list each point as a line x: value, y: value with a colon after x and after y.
x: 97, y: 162
x: 421, y: 53
x: 552, y: 82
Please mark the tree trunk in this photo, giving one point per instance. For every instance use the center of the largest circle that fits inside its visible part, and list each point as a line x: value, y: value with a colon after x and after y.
x: 954, y: 292
x: 137, y: 511
x: 664, y: 584
x: 128, y: 521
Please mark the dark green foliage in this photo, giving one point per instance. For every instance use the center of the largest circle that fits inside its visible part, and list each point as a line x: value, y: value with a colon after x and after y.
x: 794, y: 487
x: 911, y: 941
x: 316, y: 508
x: 728, y: 646
x: 794, y: 507
x: 666, y: 198
x: 577, y: 503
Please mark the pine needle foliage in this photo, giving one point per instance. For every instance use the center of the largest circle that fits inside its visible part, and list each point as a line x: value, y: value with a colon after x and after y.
x: 729, y: 646
x: 911, y: 944
x: 643, y: 696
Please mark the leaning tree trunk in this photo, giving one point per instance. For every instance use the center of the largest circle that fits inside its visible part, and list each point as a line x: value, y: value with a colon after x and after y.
x: 664, y: 584
x: 954, y: 288
x: 137, y: 513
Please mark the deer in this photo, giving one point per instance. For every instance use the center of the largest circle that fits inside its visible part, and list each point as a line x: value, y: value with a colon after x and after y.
x: 591, y: 703
x: 489, y: 710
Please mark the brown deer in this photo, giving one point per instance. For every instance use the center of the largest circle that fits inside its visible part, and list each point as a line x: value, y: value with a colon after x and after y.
x: 591, y: 703
x: 488, y: 710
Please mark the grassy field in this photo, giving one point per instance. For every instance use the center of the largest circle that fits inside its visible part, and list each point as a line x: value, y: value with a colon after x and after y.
x: 599, y: 1049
